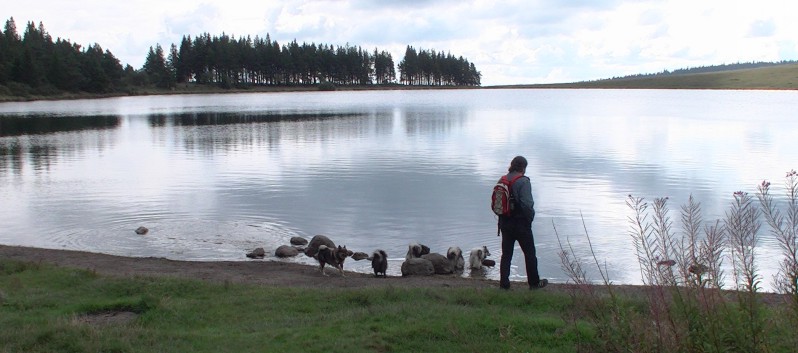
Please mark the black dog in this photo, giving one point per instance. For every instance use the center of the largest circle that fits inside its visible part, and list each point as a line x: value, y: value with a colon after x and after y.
x: 333, y: 256
x: 379, y: 262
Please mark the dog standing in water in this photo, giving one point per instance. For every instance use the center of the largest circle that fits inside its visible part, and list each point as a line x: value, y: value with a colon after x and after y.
x: 334, y: 256
x: 455, y: 256
x: 478, y: 255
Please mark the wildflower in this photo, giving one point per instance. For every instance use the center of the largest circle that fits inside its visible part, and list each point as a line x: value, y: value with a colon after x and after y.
x: 765, y: 184
x: 792, y: 173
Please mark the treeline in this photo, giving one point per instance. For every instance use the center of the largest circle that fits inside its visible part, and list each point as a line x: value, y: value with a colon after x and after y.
x: 35, y: 64
x: 436, y: 69
x: 245, y: 61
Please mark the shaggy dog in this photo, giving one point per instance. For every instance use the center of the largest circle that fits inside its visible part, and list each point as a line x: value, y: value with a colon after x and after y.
x: 379, y: 262
x: 477, y: 256
x: 333, y: 256
x: 415, y: 250
x: 455, y: 256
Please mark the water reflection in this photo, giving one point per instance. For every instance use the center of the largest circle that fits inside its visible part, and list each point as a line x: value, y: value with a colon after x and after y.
x: 214, y: 176
x: 41, y: 124
x: 228, y: 118
x: 434, y: 122
x: 224, y: 131
x: 55, y: 142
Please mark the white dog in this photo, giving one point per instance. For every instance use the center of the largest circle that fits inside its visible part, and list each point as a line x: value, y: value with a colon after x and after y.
x: 477, y: 256
x: 455, y: 256
x: 415, y: 250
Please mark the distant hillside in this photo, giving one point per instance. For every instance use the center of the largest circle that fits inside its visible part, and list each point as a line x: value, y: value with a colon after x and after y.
x: 738, y: 76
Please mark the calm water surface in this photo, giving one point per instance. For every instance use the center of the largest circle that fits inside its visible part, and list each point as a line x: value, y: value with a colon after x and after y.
x: 215, y: 176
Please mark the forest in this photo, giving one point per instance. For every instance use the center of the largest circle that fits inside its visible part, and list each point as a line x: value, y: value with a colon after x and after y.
x: 36, y: 64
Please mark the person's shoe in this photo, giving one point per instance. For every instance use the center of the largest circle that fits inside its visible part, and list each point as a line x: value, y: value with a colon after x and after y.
x: 543, y: 282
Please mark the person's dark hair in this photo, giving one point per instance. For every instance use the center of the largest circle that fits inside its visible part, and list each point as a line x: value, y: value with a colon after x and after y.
x: 518, y: 164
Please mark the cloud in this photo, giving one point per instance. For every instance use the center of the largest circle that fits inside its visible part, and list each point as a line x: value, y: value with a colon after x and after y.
x: 514, y: 41
x: 762, y: 28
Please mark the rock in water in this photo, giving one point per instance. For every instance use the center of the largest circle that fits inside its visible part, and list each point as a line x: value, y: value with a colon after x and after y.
x: 258, y: 253
x: 360, y: 256
x: 286, y: 251
x: 299, y: 241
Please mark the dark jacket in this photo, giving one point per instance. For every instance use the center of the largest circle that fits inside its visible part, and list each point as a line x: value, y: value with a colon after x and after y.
x: 522, y: 192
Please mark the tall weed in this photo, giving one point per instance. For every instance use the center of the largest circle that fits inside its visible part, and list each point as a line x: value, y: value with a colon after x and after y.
x: 688, y: 307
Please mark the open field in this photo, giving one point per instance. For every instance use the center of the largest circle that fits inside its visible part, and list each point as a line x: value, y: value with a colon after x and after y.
x: 781, y: 77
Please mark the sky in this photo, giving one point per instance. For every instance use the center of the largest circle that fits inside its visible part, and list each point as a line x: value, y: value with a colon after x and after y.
x: 509, y: 42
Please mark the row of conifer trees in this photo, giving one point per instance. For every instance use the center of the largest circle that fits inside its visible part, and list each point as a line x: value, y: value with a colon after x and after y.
x: 35, y: 63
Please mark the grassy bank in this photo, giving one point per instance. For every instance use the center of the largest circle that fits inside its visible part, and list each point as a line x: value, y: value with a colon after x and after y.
x: 54, y: 309
x: 781, y: 77
x: 50, y: 309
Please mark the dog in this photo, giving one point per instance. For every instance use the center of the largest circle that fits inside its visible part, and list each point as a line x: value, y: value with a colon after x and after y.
x: 415, y: 250
x: 379, y: 262
x: 478, y: 255
x: 455, y: 256
x: 334, y: 256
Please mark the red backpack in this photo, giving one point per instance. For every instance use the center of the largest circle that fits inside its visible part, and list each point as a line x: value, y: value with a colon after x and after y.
x: 502, y: 201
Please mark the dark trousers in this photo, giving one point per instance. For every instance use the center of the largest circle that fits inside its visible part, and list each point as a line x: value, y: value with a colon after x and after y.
x: 520, y: 230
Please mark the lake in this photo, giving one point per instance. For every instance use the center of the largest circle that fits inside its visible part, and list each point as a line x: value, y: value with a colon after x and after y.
x: 216, y: 176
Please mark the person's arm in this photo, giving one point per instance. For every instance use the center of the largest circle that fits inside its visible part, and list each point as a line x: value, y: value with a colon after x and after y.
x: 525, y: 199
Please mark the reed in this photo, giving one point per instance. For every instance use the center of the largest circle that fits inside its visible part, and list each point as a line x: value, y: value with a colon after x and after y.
x: 687, y: 307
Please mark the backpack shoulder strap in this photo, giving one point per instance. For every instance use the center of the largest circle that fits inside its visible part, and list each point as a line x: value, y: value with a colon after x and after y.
x: 512, y: 181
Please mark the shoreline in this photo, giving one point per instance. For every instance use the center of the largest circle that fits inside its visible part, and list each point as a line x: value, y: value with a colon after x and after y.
x: 204, y: 89
x: 267, y: 272
x: 196, y: 89
x: 283, y: 274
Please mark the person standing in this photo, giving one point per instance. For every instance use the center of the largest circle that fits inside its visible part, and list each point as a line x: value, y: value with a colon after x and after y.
x: 517, y: 227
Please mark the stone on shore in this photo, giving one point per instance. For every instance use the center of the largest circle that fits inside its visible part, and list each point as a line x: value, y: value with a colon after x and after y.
x: 417, y: 267
x: 440, y: 263
x: 315, y: 242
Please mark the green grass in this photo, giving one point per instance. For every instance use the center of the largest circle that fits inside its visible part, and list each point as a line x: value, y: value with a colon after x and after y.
x: 775, y: 77
x: 41, y: 309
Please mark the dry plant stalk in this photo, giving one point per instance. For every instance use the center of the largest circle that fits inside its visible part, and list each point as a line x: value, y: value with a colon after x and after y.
x: 784, y: 227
